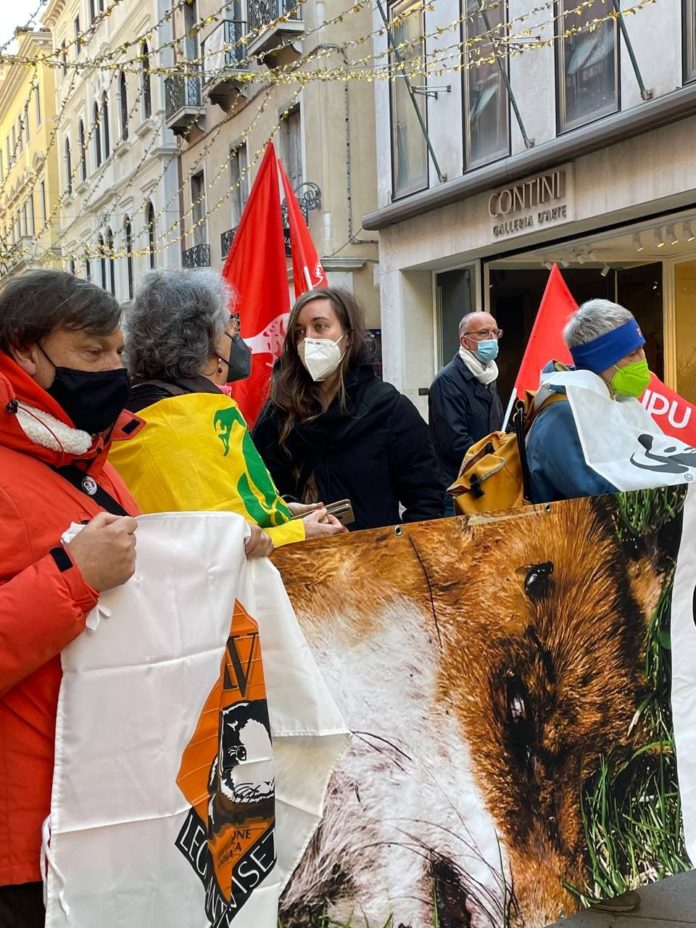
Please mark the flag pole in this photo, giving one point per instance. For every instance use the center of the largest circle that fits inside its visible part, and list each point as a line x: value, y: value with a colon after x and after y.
x: 509, y: 409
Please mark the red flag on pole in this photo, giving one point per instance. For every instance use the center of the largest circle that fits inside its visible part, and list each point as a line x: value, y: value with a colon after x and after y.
x: 546, y: 341
x: 257, y: 270
x: 674, y: 415
x: 306, y: 264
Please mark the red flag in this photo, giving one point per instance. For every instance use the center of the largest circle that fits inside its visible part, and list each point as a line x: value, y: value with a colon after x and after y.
x: 674, y: 415
x: 257, y: 270
x: 306, y: 264
x: 546, y: 341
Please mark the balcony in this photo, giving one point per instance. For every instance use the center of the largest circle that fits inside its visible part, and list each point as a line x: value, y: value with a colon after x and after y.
x: 183, y: 102
x: 198, y: 256
x: 277, y: 25
x: 225, y: 64
x: 226, y: 241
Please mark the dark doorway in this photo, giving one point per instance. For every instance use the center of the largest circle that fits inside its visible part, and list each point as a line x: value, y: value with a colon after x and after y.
x: 455, y: 298
x: 515, y: 295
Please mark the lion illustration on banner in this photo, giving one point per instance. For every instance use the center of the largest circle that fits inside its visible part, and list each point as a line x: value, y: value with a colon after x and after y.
x: 498, y: 676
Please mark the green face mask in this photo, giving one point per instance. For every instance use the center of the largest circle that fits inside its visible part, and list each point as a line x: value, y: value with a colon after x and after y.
x: 631, y: 379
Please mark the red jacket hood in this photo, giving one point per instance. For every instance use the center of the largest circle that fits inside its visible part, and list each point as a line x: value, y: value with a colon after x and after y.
x: 17, y: 388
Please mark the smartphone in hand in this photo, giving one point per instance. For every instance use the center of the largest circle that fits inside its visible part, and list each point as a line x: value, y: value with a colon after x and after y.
x: 343, y: 510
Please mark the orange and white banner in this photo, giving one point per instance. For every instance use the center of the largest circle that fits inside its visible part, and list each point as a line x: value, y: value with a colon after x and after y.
x: 194, y: 743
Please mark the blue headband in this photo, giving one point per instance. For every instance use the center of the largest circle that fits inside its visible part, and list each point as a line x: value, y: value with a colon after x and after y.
x: 599, y: 354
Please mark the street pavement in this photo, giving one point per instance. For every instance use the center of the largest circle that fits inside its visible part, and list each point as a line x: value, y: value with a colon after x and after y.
x: 670, y: 903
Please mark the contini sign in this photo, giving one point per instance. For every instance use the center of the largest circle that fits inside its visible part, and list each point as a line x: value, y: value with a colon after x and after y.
x: 543, y: 200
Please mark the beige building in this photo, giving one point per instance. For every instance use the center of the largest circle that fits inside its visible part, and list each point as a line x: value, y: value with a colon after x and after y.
x: 118, y: 161
x: 324, y: 132
x: 28, y: 158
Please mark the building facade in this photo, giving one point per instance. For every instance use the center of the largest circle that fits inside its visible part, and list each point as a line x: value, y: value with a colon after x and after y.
x: 29, y: 189
x: 522, y: 134
x: 224, y: 106
x: 118, y: 161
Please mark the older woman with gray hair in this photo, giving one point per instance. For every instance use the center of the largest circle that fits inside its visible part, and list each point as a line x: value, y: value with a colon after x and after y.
x: 606, y: 345
x: 195, y: 452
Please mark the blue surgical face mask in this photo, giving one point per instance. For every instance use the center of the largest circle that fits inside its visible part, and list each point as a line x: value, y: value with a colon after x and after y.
x: 487, y: 350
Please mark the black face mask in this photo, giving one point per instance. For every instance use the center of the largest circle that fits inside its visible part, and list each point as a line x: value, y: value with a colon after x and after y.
x: 239, y: 363
x: 92, y: 399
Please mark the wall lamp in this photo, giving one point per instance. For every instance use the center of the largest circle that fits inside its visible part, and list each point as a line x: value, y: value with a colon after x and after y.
x: 605, y: 269
x: 672, y: 237
x: 688, y: 232
x: 659, y: 241
x: 638, y: 246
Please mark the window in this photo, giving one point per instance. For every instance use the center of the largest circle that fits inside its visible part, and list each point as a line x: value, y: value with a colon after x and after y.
x: 238, y: 182
x: 587, y: 62
x: 83, y: 151
x: 128, y: 237
x: 106, y: 143
x: 14, y: 143
x: 76, y: 33
x: 487, y: 135
x: 37, y: 105
x: 291, y: 147
x: 72, y: 266
x: 191, y: 29
x: 112, y: 269
x: 145, y: 84
x: 88, y: 269
x: 64, y: 57
x: 2, y: 166
x: 96, y: 132
x: 25, y: 220
x: 44, y: 211
x: 92, y: 10
x: 32, y: 221
x: 689, y: 20
x: 26, y: 124
x: 150, y: 228
x: 200, y: 236
x: 123, y: 102
x: 9, y: 151
x: 102, y: 262
x: 409, y: 150
x: 68, y: 168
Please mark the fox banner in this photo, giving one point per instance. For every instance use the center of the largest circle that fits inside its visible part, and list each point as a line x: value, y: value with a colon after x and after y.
x: 507, y: 682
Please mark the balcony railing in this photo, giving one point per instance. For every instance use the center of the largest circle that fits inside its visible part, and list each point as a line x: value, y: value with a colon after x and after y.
x: 198, y: 256
x: 224, y: 49
x: 183, y: 101
x: 263, y: 12
x: 226, y: 241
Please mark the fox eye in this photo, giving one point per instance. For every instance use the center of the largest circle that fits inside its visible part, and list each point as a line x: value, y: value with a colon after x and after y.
x: 538, y: 579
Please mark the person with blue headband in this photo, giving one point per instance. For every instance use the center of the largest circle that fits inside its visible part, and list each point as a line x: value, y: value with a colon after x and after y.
x: 606, y: 345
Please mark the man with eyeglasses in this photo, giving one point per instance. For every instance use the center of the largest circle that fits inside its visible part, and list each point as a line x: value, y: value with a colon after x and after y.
x: 464, y: 405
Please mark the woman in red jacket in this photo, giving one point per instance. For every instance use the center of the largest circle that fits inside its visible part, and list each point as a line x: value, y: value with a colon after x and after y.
x: 62, y: 389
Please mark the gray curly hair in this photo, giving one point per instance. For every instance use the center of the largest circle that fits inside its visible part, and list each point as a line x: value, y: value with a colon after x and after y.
x: 173, y: 323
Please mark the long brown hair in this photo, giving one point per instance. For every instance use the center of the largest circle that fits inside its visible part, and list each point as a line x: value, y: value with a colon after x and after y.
x: 292, y: 389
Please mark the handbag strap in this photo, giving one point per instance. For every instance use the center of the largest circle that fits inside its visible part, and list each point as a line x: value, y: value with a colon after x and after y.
x: 89, y: 486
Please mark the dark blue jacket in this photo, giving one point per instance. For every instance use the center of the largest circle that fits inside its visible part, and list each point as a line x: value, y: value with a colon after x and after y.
x: 556, y: 463
x: 461, y: 410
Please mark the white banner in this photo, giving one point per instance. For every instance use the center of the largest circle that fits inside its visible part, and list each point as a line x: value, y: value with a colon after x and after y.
x: 683, y: 640
x: 620, y: 439
x: 170, y: 806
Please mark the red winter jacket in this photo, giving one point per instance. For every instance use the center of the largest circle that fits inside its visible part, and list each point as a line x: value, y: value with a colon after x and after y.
x: 43, y: 600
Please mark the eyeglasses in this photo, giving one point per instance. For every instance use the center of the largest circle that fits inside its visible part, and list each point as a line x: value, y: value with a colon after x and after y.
x: 485, y: 333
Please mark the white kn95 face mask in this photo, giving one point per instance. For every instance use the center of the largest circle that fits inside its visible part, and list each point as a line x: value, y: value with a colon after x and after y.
x: 321, y: 357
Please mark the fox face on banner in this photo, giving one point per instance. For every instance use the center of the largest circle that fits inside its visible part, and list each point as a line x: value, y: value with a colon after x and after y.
x: 508, y: 686
x: 227, y: 775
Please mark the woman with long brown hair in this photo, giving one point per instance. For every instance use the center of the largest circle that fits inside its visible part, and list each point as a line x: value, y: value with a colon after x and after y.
x: 333, y: 430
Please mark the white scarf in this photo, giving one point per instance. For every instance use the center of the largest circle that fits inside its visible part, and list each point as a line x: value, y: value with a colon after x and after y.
x: 484, y: 371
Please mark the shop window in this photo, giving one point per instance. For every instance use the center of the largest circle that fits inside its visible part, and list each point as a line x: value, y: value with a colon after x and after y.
x: 689, y: 20
x: 685, y: 326
x: 409, y: 149
x: 487, y: 111
x: 587, y: 63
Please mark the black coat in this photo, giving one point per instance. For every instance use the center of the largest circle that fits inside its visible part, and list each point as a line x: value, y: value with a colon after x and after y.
x: 461, y: 411
x: 376, y: 452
